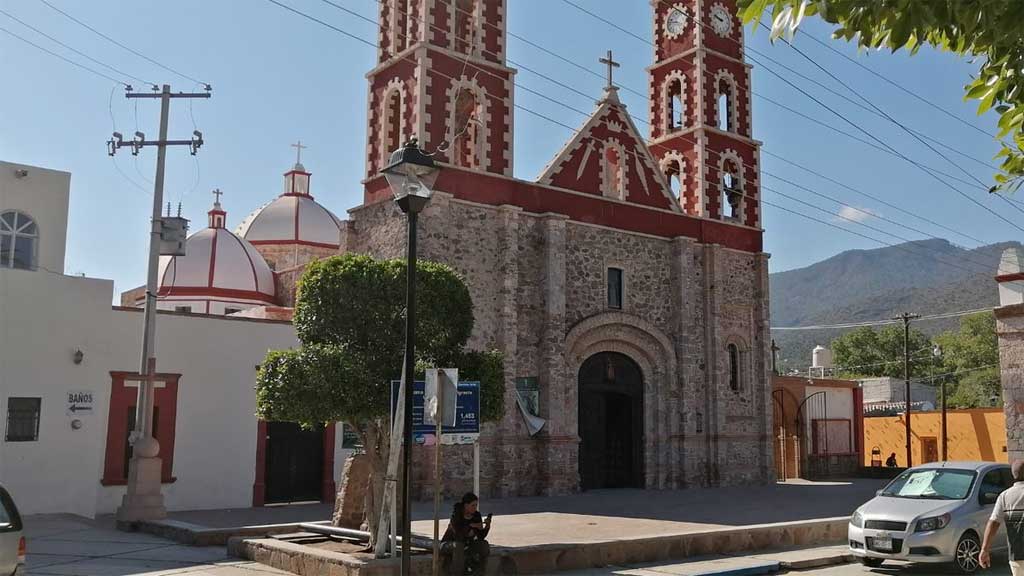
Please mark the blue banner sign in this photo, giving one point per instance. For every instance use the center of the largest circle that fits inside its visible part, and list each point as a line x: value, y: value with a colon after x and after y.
x: 467, y: 413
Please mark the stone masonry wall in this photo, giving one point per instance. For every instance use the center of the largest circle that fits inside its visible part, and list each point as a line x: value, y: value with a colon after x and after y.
x: 538, y: 286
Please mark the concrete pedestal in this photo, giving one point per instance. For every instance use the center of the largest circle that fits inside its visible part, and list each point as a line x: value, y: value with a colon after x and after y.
x: 144, y: 501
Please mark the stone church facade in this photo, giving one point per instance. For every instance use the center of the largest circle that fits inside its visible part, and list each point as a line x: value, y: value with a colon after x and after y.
x: 628, y: 281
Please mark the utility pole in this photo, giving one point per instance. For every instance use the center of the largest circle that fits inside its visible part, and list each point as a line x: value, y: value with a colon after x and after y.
x: 143, y: 500
x: 906, y: 318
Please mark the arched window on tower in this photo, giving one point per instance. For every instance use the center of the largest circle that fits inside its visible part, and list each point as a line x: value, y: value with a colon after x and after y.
x: 614, y: 173
x: 467, y: 144
x: 725, y: 102
x: 675, y: 110
x: 400, y: 25
x: 393, y: 118
x: 466, y: 20
x: 732, y: 191
x: 674, y: 175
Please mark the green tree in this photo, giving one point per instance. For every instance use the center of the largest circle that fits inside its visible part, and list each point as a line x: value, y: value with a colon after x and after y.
x: 350, y: 320
x: 970, y: 360
x: 868, y: 352
x: 988, y: 30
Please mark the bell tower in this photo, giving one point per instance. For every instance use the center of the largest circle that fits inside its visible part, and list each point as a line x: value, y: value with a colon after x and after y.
x: 441, y: 76
x: 700, y: 110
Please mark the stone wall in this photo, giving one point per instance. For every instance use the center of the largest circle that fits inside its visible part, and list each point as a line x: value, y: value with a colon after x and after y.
x: 539, y: 289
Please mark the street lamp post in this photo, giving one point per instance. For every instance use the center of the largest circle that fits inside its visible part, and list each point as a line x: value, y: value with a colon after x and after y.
x: 937, y: 354
x: 411, y: 174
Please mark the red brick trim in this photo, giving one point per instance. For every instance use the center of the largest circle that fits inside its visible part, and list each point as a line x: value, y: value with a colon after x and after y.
x: 121, y: 399
x: 259, y: 486
x: 496, y: 190
x: 329, y: 488
x: 1010, y: 277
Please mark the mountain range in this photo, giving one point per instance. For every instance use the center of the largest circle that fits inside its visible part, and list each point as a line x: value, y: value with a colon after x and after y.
x: 924, y: 277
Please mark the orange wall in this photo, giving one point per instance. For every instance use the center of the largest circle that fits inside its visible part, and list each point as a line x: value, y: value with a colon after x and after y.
x: 978, y: 434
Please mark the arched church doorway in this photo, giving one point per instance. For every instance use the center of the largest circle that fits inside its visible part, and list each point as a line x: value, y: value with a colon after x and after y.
x: 611, y: 393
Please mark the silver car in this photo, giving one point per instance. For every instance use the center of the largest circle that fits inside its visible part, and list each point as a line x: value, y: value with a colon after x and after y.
x: 12, y: 542
x: 933, y: 513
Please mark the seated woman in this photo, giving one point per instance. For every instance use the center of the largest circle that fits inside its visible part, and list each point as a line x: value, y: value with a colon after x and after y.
x: 465, y: 540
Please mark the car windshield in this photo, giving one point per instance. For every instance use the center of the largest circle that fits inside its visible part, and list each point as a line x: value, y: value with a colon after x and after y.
x: 932, y: 484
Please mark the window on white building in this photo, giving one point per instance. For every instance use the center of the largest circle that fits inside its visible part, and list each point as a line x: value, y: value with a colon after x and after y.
x: 185, y: 309
x: 229, y: 311
x: 19, y: 237
x: 23, y: 419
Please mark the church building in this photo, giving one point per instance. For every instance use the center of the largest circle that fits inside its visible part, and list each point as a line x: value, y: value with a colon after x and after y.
x: 626, y: 283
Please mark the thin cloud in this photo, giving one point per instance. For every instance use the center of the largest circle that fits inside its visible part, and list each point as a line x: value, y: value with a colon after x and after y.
x: 848, y: 213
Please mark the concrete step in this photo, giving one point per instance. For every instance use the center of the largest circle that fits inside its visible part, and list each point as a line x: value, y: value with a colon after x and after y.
x: 768, y: 562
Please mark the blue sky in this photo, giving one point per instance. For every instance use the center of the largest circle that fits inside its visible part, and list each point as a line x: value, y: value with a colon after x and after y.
x: 278, y: 78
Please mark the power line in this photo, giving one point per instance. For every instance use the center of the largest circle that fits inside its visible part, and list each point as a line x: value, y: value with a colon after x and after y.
x: 68, y: 60
x: 121, y: 45
x: 908, y: 131
x: 881, y: 322
x: 71, y: 48
x: 820, y: 103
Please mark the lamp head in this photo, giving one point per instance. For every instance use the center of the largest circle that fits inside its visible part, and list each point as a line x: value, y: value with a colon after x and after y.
x: 411, y: 174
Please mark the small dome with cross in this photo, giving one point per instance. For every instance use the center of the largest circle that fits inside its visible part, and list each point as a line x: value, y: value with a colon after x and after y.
x: 220, y: 272
x: 294, y: 217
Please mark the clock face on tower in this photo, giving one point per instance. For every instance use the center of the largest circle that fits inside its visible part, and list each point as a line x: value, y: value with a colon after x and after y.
x: 675, y: 22
x: 721, y: 20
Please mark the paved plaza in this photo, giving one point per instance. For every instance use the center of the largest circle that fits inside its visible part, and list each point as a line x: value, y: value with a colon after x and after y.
x: 63, y: 545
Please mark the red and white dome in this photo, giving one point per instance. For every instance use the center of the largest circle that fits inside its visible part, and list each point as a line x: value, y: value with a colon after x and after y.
x: 294, y: 217
x: 219, y: 274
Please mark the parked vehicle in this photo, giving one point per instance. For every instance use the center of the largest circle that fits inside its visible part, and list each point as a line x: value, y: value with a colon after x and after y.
x: 935, y: 513
x: 12, y: 541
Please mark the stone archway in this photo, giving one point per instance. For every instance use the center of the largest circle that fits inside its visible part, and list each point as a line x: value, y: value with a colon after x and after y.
x: 652, y: 354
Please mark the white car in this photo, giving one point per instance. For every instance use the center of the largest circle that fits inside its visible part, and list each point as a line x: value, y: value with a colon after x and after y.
x: 935, y: 513
x: 12, y: 542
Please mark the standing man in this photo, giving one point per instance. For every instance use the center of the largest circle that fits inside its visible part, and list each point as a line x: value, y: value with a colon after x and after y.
x: 1009, y: 509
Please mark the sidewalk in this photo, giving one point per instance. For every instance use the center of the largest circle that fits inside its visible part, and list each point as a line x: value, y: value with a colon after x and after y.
x: 65, y: 545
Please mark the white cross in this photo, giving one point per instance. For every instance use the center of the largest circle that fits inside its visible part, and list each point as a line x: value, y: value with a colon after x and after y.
x: 298, y: 151
x: 611, y: 64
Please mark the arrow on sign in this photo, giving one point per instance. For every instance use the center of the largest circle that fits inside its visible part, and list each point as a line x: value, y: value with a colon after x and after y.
x: 76, y: 408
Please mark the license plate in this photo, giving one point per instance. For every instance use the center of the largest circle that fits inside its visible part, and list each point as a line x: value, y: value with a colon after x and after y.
x: 883, y: 543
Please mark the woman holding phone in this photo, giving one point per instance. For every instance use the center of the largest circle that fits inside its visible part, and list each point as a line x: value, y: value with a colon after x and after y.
x: 465, y: 540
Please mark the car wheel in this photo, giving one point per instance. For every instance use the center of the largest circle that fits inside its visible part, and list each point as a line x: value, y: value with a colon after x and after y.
x: 967, y: 550
x: 872, y: 562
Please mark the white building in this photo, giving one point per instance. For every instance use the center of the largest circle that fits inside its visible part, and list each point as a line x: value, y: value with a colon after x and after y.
x: 67, y: 356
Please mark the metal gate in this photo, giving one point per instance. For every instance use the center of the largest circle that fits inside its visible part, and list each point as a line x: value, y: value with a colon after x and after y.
x: 813, y: 431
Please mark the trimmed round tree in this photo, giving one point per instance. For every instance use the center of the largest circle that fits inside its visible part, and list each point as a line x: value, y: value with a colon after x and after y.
x: 350, y: 320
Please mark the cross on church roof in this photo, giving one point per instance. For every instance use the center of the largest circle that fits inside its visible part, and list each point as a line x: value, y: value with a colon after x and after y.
x: 298, y: 151
x: 216, y: 192
x: 611, y: 65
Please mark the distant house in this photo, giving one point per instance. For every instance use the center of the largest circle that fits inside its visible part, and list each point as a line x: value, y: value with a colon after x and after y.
x: 890, y: 390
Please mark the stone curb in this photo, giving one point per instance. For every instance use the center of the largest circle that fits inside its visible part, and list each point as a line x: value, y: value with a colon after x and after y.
x: 196, y: 535
x: 551, y: 558
x: 806, y: 564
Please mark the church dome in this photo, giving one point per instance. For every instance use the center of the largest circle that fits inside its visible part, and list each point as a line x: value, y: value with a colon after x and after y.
x: 293, y: 218
x: 220, y: 273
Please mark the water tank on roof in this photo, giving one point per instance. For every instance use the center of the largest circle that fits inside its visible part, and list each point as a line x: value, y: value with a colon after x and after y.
x: 821, y: 357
